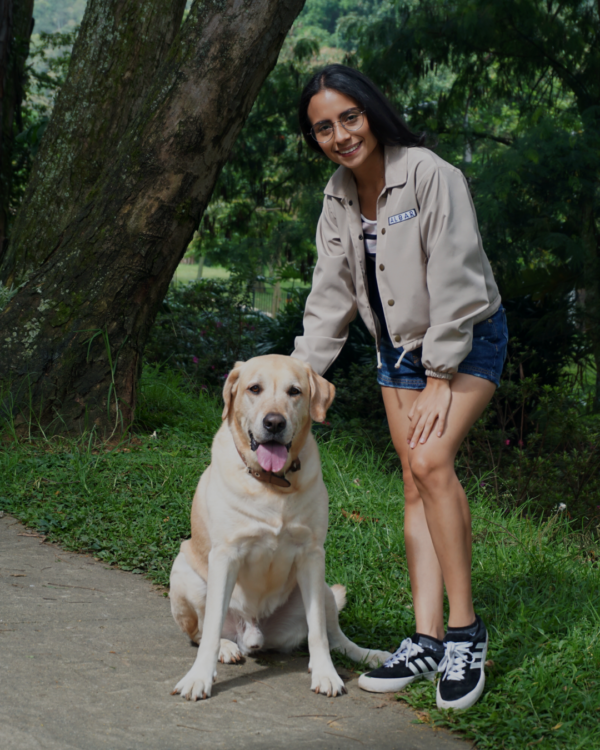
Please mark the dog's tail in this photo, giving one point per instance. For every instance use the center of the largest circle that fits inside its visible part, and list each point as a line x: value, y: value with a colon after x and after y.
x: 339, y: 594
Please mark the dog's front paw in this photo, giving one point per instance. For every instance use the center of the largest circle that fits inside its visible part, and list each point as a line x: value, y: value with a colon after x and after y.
x: 327, y: 683
x: 195, y: 685
x: 229, y: 652
x: 378, y: 658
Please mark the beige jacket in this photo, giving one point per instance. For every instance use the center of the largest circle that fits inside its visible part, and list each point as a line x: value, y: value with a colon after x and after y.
x: 434, y: 278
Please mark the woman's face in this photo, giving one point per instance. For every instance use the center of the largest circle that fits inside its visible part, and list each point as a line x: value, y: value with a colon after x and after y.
x: 352, y: 149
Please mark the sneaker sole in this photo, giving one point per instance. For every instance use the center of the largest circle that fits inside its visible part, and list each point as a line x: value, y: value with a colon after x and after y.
x: 388, y: 685
x: 470, y: 699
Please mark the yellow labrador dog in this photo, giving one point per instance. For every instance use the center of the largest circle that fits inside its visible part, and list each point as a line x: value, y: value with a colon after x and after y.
x: 253, y: 574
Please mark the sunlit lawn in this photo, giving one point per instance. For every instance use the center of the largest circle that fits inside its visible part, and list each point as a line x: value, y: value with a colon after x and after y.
x: 189, y: 272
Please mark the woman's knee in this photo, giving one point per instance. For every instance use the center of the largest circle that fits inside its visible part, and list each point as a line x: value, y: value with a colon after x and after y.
x: 412, y: 498
x: 411, y: 491
x: 427, y: 466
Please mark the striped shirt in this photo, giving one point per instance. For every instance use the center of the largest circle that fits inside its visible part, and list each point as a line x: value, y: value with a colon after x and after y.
x: 370, y: 234
x: 370, y: 240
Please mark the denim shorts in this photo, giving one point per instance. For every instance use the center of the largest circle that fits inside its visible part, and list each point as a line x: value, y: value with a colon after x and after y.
x: 485, y: 360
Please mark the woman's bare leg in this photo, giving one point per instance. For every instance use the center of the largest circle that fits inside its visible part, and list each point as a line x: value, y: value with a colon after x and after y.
x: 423, y: 566
x: 439, y: 498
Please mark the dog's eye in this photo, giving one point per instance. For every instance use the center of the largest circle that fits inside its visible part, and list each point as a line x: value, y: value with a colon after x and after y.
x: 254, y: 388
x: 294, y: 391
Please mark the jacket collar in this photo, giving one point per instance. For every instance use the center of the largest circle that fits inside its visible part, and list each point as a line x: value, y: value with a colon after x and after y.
x: 342, y: 184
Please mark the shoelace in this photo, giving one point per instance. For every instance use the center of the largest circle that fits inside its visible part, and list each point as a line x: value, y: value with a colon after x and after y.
x: 406, y: 649
x: 455, y: 660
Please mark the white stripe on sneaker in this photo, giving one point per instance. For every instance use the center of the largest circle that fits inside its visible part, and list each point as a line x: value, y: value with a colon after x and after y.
x: 432, y: 663
x: 421, y: 664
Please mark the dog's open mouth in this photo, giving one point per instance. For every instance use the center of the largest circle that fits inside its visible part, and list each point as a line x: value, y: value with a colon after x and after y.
x: 271, y: 455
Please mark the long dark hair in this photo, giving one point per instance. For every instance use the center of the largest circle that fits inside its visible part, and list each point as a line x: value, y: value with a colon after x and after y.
x: 387, y: 126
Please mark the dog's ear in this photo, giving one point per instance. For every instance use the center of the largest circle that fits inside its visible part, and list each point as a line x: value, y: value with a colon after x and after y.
x: 322, y: 393
x: 230, y: 388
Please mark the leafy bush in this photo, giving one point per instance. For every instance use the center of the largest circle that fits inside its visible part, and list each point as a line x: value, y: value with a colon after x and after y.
x: 279, y: 334
x: 539, y: 444
x: 203, y: 328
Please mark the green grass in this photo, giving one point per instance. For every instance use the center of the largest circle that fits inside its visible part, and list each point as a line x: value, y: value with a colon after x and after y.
x: 188, y: 272
x: 535, y: 582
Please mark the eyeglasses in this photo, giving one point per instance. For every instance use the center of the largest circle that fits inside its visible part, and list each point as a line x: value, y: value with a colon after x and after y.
x: 352, y: 120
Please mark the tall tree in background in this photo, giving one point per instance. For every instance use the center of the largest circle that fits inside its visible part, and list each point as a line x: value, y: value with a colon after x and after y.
x: 118, y: 52
x: 15, y: 30
x: 140, y: 131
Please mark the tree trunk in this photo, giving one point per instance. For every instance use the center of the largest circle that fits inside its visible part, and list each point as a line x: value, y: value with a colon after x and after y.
x: 15, y: 30
x: 115, y: 60
x: 74, y: 334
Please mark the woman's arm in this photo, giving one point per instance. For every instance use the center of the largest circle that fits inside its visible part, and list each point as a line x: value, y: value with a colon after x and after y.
x: 331, y: 304
x: 456, y: 274
x: 457, y: 293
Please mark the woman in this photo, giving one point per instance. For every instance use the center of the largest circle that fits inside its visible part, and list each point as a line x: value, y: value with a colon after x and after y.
x: 398, y: 242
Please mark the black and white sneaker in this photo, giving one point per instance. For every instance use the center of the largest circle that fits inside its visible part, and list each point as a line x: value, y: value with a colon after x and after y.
x: 462, y: 667
x: 416, y: 657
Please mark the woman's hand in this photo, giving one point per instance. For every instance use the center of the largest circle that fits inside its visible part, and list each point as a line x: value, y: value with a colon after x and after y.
x: 430, y: 408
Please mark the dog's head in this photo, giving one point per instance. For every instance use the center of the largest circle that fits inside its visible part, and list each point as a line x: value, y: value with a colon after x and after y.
x: 269, y: 402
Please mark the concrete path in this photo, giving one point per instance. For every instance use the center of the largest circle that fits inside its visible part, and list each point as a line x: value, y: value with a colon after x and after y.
x: 89, y: 655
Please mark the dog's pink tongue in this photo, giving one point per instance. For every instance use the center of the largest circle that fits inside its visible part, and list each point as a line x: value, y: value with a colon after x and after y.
x: 272, y: 456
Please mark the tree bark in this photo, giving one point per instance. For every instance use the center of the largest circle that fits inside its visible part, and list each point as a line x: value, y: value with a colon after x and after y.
x: 15, y: 30
x: 73, y: 335
x: 6, y: 31
x: 115, y: 60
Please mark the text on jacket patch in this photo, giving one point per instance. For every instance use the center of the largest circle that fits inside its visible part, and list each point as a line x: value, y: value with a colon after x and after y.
x: 402, y: 217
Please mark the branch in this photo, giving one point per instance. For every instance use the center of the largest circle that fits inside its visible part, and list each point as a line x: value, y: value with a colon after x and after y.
x: 561, y: 70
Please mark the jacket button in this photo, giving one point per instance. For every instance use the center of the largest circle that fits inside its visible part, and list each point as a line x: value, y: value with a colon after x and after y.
x: 349, y: 203
x: 396, y: 338
x: 360, y: 236
x: 391, y: 302
x: 383, y: 231
x: 381, y: 267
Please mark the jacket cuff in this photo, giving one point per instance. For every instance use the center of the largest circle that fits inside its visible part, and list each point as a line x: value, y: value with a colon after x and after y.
x: 440, y: 375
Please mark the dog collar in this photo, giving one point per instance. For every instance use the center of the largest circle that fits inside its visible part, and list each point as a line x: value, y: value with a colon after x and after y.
x: 268, y: 477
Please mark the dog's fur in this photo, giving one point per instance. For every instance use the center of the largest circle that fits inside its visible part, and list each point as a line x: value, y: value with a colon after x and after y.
x: 253, y: 574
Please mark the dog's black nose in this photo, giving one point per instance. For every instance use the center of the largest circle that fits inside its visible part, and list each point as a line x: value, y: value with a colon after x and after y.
x: 274, y: 423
